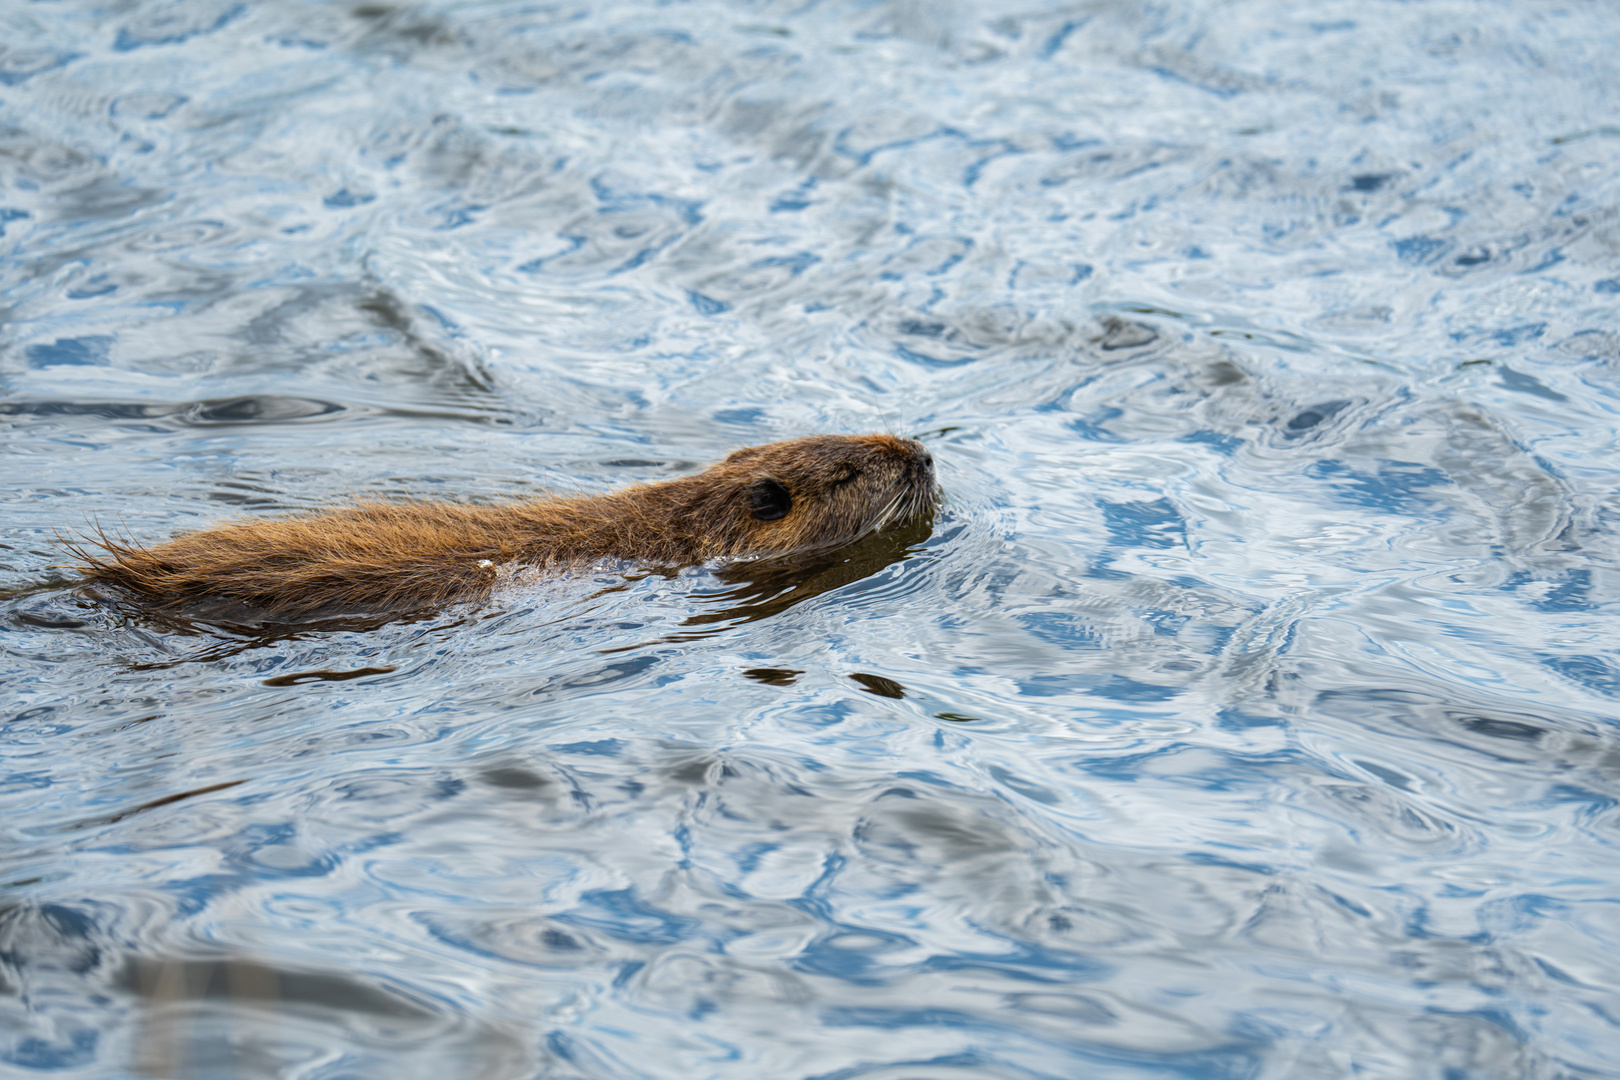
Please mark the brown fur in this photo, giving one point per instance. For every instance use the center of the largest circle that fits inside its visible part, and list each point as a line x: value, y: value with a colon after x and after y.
x: 414, y: 555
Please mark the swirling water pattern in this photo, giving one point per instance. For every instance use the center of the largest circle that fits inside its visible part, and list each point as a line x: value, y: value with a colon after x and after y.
x: 1249, y: 712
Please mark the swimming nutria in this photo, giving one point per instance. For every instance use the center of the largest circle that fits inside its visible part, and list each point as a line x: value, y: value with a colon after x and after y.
x: 816, y: 492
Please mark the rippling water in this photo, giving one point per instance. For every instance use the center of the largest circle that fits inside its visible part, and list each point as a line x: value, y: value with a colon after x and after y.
x: 1248, y: 711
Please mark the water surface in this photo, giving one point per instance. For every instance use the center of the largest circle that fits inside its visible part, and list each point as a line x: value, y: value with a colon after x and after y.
x: 1248, y: 712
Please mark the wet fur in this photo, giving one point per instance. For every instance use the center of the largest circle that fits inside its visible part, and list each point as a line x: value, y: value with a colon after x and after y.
x: 415, y: 555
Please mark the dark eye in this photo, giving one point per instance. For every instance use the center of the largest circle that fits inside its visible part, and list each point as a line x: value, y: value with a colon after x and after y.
x: 769, y: 500
x: 849, y: 474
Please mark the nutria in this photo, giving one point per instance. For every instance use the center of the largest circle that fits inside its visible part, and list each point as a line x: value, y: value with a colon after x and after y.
x: 812, y: 493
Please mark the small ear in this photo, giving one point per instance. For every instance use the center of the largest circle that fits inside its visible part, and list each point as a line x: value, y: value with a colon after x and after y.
x: 769, y: 500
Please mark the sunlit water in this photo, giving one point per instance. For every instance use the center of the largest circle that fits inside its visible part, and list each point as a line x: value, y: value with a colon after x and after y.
x: 1248, y: 712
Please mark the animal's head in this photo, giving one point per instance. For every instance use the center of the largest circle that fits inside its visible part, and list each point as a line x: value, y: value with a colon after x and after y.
x: 822, y: 491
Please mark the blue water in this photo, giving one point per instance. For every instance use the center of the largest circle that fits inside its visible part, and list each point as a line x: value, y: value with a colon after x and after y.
x: 1250, y: 711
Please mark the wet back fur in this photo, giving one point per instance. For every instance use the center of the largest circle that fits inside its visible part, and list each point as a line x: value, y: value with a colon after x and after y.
x: 413, y: 555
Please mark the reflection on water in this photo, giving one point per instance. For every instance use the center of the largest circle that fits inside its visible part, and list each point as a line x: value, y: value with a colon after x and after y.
x: 1246, y: 710
x: 760, y: 589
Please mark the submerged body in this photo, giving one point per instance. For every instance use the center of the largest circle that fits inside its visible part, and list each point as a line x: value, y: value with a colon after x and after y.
x: 817, y: 492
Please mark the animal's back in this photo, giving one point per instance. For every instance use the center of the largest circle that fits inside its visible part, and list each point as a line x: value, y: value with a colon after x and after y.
x: 376, y: 555
x: 819, y: 491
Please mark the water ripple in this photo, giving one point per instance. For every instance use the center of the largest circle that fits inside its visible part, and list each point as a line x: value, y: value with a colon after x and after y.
x: 1246, y: 709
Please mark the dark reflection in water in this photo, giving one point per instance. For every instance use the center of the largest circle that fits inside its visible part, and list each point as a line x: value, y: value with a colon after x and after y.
x: 877, y: 684
x: 216, y: 630
x: 325, y: 676
x: 774, y: 676
x: 762, y: 588
x: 154, y: 804
x: 239, y: 1017
x: 227, y: 1015
x: 1249, y: 710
